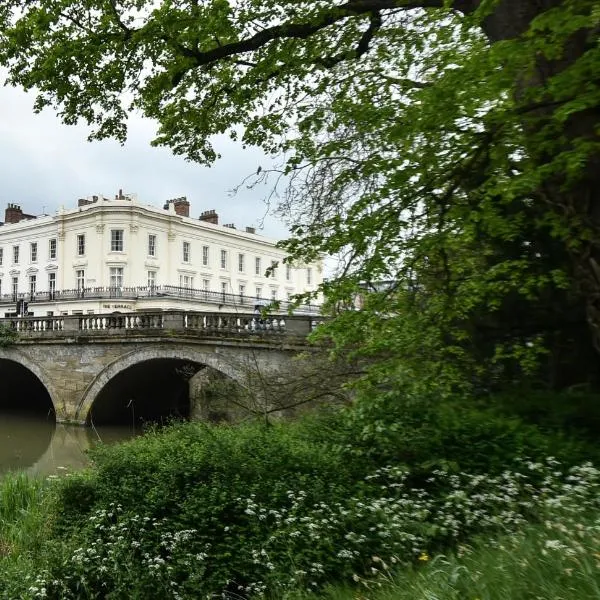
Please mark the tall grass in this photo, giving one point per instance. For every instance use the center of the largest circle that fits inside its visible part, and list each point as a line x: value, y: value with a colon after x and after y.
x: 557, y: 559
x: 23, y: 513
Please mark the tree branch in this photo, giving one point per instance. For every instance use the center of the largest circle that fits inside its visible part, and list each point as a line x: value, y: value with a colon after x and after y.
x: 353, y: 8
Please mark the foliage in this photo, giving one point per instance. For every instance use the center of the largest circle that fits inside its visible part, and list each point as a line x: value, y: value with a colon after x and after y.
x: 8, y: 336
x: 277, y: 544
x: 450, y: 146
x: 554, y: 559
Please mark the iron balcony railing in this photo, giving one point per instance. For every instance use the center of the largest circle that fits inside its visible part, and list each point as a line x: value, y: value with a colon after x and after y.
x: 155, y: 292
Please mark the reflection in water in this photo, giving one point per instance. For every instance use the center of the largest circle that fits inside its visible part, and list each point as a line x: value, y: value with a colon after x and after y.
x: 34, y: 443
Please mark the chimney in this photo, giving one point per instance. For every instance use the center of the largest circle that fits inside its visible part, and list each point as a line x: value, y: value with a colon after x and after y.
x: 250, y: 230
x: 83, y: 202
x: 181, y: 205
x: 229, y: 225
x: 210, y: 216
x: 13, y: 213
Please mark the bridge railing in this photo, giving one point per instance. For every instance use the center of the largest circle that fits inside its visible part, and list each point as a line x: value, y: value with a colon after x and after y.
x: 199, y: 322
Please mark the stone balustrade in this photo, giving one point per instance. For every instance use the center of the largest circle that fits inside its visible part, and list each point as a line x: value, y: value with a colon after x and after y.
x: 203, y: 323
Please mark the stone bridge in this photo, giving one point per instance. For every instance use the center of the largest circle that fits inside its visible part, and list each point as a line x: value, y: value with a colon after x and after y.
x: 140, y: 364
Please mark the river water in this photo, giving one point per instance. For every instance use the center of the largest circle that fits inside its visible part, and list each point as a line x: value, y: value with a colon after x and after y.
x: 38, y: 445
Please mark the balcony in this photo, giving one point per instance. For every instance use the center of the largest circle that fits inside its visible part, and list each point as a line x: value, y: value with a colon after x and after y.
x: 154, y: 293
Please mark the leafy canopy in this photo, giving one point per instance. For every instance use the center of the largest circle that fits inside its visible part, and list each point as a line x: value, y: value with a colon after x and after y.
x: 438, y: 144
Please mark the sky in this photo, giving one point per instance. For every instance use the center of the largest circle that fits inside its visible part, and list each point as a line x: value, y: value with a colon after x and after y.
x: 46, y: 165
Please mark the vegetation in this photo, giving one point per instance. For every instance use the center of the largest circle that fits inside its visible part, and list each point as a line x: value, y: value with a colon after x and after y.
x: 448, y: 146
x: 556, y: 559
x: 8, y: 336
x: 248, y: 511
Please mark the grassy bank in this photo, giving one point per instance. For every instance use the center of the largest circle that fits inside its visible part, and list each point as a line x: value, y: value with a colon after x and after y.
x: 556, y: 559
x: 194, y: 511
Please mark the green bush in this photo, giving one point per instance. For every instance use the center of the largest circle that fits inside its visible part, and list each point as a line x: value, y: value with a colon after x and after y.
x: 423, y: 433
x: 195, y: 510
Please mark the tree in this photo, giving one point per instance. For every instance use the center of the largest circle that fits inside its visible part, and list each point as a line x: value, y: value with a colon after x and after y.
x: 450, y: 145
x: 8, y: 336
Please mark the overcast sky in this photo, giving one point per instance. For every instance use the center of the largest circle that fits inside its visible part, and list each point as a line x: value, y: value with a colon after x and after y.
x: 46, y: 164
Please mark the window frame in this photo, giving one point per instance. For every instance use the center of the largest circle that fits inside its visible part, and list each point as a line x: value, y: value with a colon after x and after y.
x: 186, y: 252
x: 33, y: 252
x: 32, y: 284
x: 52, y: 249
x: 117, y: 240
x: 152, y: 245
x: 81, y: 244
x: 80, y: 279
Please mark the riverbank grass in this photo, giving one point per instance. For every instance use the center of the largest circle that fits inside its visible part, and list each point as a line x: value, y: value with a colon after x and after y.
x: 25, y: 507
x: 559, y: 558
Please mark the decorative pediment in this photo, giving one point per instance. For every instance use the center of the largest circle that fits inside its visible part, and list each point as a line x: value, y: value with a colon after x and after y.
x: 32, y: 270
x: 52, y: 267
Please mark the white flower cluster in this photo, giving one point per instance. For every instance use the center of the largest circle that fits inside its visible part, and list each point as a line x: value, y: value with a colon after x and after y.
x: 388, y: 521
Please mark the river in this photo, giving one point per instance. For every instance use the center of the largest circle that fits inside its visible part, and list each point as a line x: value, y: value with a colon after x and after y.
x: 38, y: 445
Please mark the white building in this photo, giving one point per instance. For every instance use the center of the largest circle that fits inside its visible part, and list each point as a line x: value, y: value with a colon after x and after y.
x: 116, y: 255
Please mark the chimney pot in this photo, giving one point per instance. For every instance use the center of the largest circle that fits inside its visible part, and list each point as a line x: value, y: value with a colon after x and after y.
x: 210, y: 216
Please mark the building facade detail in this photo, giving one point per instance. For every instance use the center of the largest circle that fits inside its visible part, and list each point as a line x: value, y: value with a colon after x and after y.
x: 111, y: 255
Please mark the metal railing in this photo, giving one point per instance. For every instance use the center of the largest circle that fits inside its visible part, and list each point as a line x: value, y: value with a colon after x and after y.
x: 239, y: 301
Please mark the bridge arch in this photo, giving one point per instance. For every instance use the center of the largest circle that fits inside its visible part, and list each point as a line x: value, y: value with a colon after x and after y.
x: 192, y: 354
x: 17, y: 356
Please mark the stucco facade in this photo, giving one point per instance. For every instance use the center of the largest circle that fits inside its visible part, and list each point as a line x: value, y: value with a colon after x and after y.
x: 117, y: 254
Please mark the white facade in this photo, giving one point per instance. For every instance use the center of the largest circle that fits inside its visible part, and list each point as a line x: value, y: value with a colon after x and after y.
x: 118, y: 255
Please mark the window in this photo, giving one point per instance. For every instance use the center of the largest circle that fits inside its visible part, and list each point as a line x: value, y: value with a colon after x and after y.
x: 258, y: 293
x: 288, y: 272
x: 273, y: 294
x: 206, y: 285
x: 242, y: 292
x: 186, y: 252
x: 205, y: 256
x: 52, y: 249
x: 151, y: 245
x: 0, y: 287
x: 223, y: 259
x: 32, y: 285
x: 116, y: 280
x: 16, y: 255
x: 257, y: 266
x: 186, y: 281
x: 309, y: 276
x: 15, y: 288
x: 151, y: 279
x: 81, y: 244
x: 241, y: 263
x: 80, y: 279
x: 223, y: 289
x: 116, y: 240
x: 52, y: 285
x: 273, y: 268
x: 33, y: 252
x: 1, y: 256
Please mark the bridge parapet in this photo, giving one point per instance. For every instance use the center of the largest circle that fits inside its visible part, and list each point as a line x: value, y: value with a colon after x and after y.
x: 180, y: 321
